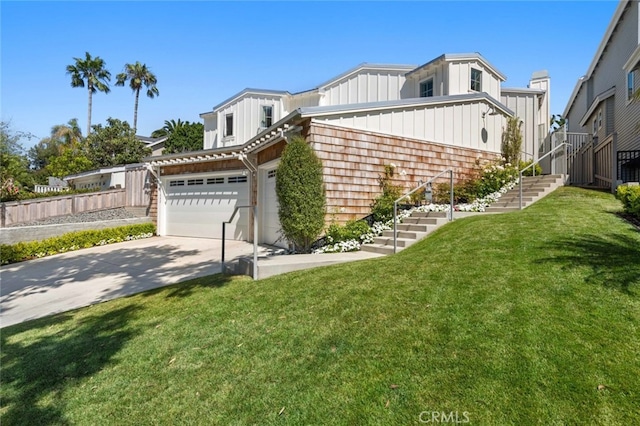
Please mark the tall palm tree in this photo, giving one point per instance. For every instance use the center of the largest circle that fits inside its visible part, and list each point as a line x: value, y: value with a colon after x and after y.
x: 92, y: 72
x: 138, y: 75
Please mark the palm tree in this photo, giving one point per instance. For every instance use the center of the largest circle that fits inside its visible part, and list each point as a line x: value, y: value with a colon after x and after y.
x: 168, y: 128
x: 138, y: 75
x: 70, y: 133
x: 93, y: 72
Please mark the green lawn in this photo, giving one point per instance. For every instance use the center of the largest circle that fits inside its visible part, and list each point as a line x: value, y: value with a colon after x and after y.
x: 525, y: 318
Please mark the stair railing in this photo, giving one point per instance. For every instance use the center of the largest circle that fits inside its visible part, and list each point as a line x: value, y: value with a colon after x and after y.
x: 563, y: 144
x: 408, y: 194
x: 255, y: 237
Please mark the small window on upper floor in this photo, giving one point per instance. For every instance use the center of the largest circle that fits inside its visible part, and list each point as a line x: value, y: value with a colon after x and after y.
x: 426, y: 88
x: 228, y: 125
x: 476, y: 80
x: 267, y: 116
x: 600, y: 119
x: 595, y: 126
x: 630, y: 85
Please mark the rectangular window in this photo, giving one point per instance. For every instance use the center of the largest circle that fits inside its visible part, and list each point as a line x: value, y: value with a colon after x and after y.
x: 176, y: 183
x: 271, y: 174
x: 630, y: 85
x: 476, y: 80
x: 426, y: 88
x: 237, y: 179
x: 595, y: 126
x: 267, y: 116
x: 192, y: 182
x: 228, y: 125
x: 215, y: 181
x: 599, y: 119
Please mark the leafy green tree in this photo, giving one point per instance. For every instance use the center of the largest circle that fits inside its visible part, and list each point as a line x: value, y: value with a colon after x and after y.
x: 92, y: 72
x: 114, y: 144
x: 60, y: 154
x: 512, y: 141
x: 301, y: 194
x: 382, y: 206
x: 138, y: 75
x: 15, y: 175
x: 184, y: 138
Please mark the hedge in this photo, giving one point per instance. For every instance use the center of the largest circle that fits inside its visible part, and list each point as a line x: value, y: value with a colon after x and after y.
x: 13, y: 253
x: 630, y: 197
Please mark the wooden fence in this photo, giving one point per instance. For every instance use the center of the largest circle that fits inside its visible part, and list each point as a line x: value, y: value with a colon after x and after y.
x: 41, y: 208
x: 136, y: 193
x: 591, y: 162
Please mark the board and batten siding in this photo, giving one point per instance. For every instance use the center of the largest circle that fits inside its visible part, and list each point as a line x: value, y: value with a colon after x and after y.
x: 353, y: 160
x: 525, y: 107
x: 364, y: 86
x: 440, y: 81
x: 460, y: 79
x: 247, y: 117
x: 451, y: 124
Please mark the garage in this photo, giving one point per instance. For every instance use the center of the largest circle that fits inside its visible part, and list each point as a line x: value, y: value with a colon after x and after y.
x: 196, y: 205
x: 270, y: 233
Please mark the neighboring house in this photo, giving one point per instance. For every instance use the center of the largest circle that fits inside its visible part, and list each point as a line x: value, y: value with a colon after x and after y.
x: 101, y: 179
x: 602, y: 104
x: 447, y: 113
x: 156, y: 144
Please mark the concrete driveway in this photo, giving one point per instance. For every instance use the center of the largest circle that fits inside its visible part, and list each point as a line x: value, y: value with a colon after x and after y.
x: 59, y: 283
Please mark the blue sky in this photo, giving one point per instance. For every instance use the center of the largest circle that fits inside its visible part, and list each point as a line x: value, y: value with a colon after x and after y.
x: 203, y: 52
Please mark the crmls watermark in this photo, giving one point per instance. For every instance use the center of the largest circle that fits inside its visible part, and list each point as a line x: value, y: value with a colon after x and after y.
x: 443, y: 417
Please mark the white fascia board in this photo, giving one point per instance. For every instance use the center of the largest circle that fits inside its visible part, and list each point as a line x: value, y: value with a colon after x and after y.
x: 522, y: 90
x: 458, y: 57
x: 366, y: 66
x: 101, y: 171
x: 633, y: 61
x: 247, y: 92
x: 597, y: 101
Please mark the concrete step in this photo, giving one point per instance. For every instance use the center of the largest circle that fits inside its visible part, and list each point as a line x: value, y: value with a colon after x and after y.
x: 377, y: 248
x: 493, y: 209
x: 405, y: 234
x: 425, y: 220
x: 429, y: 214
x: 401, y: 242
x: 414, y: 227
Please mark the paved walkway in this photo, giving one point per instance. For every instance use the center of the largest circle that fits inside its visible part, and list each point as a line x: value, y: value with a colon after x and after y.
x: 67, y: 281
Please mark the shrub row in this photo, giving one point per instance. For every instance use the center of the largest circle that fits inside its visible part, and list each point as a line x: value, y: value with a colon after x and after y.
x: 630, y: 197
x: 73, y: 241
x: 352, y: 230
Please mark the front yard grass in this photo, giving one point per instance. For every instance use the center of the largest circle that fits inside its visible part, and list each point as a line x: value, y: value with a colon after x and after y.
x: 523, y: 318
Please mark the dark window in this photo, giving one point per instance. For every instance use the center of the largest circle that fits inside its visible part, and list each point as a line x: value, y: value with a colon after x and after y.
x: 215, y: 181
x: 267, y: 116
x: 228, y: 125
x: 476, y: 80
x: 176, y: 183
x: 426, y: 88
x: 237, y: 179
x: 195, y: 182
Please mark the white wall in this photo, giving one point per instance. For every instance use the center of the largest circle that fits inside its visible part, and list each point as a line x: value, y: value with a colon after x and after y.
x: 440, y: 76
x: 460, y: 78
x: 247, y: 115
x: 367, y: 85
x: 525, y: 107
x: 457, y: 125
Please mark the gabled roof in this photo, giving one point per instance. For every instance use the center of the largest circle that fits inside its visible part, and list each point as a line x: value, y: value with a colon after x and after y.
x: 246, y: 92
x: 151, y: 142
x: 598, y: 99
x: 617, y: 17
x: 453, y: 57
x: 366, y: 66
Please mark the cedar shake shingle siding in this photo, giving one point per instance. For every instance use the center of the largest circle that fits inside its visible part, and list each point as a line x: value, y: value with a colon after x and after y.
x: 354, y: 159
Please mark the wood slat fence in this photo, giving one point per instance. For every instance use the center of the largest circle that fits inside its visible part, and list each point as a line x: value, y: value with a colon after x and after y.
x: 135, y: 194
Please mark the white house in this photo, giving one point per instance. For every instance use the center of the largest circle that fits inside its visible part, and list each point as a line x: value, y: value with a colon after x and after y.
x: 447, y: 113
x: 155, y: 144
x: 602, y: 102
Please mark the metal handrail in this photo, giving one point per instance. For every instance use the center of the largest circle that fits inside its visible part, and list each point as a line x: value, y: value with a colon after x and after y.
x: 533, y: 164
x: 395, y: 203
x: 255, y: 237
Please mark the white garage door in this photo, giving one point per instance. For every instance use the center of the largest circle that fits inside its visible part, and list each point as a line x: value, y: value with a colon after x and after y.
x: 269, y: 211
x: 197, y: 206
